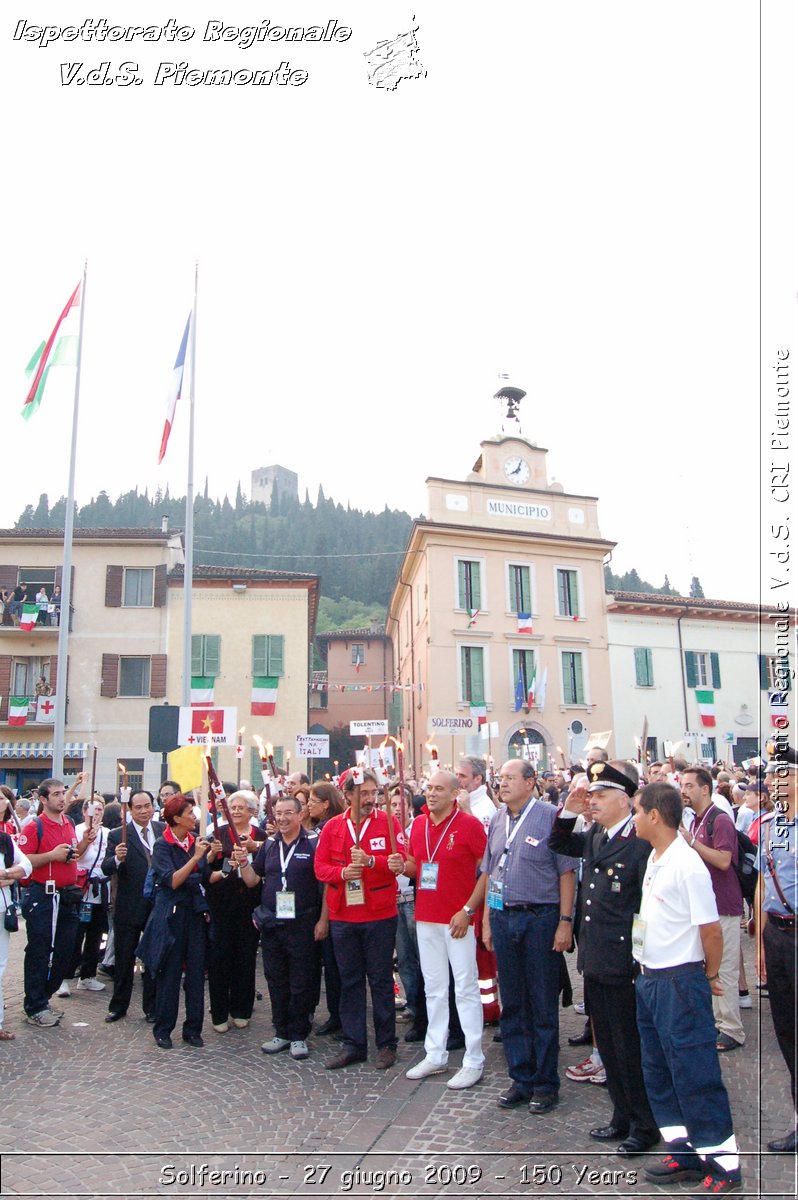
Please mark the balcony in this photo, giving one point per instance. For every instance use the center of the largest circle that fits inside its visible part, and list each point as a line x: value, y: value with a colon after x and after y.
x: 40, y: 630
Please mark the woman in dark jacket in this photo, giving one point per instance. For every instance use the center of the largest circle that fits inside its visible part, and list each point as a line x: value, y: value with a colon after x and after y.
x: 234, y: 938
x: 176, y: 931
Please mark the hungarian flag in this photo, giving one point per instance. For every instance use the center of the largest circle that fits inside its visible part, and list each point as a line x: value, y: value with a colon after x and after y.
x: 201, y: 691
x: 175, y: 390
x: 264, y: 695
x: 480, y: 713
x: 18, y: 710
x: 60, y: 350
x: 29, y: 616
x: 706, y: 708
x: 524, y: 622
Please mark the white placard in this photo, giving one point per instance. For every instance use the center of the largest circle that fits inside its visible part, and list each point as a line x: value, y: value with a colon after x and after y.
x: 490, y: 729
x: 207, y: 727
x: 312, y: 745
x: 460, y: 724
x: 367, y: 727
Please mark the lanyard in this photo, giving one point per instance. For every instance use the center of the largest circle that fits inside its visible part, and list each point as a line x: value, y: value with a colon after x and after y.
x: 510, y: 837
x: 285, y: 861
x: 363, y: 828
x: 431, y: 853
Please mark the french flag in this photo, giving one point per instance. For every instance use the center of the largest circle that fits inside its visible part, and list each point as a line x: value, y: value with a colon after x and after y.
x: 175, y: 389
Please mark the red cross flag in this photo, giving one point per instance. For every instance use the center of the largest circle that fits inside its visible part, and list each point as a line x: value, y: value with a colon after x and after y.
x: 207, y: 727
x: 45, y: 710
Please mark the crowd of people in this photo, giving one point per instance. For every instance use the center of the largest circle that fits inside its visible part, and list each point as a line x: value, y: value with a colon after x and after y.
x: 468, y: 885
x: 13, y: 602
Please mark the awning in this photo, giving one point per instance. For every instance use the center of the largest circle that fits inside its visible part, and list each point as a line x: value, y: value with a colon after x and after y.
x: 41, y: 750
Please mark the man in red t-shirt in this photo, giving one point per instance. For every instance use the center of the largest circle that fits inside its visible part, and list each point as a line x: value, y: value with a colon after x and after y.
x: 50, y: 912
x: 714, y: 839
x: 446, y: 848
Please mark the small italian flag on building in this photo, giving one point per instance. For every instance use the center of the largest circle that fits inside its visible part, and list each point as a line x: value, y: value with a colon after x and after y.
x: 264, y: 695
x: 18, y: 710
x: 706, y: 707
x: 201, y: 691
x: 29, y: 616
x: 480, y: 714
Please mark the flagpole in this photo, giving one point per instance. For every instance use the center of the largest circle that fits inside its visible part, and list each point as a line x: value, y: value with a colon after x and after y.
x: 188, y: 535
x: 59, y: 723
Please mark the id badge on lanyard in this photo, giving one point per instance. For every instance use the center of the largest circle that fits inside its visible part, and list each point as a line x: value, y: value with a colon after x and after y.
x: 428, y: 879
x: 495, y: 894
x: 285, y: 907
x: 354, y: 892
x: 638, y: 936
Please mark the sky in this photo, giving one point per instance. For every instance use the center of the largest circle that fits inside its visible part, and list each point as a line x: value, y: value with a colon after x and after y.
x: 569, y: 195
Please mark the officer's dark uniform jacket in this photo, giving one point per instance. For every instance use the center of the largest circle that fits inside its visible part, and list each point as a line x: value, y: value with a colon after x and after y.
x: 612, y: 881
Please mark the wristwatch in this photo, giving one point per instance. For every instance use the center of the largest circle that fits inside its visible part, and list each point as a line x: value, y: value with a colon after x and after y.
x: 469, y: 912
x: 371, y: 862
x: 570, y: 920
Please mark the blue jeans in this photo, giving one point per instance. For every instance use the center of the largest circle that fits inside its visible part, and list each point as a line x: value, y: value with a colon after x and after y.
x: 681, y: 1069
x: 364, y: 950
x: 407, y: 952
x: 529, y: 974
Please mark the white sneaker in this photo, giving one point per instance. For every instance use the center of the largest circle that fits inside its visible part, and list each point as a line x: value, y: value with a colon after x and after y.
x: 90, y: 985
x: 275, y: 1045
x: 298, y: 1050
x: 466, y: 1077
x: 44, y: 1018
x: 64, y: 989
x: 424, y: 1068
x: 579, y: 1008
x: 745, y: 1000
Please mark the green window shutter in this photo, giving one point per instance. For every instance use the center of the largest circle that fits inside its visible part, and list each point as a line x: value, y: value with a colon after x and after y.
x: 196, y: 654
x: 689, y: 666
x: 255, y: 768
x: 276, y: 655
x: 477, y: 676
x: 644, y: 673
x: 578, y: 680
x: 213, y: 654
x: 461, y: 584
x: 476, y: 586
x: 259, y: 663
x: 516, y: 669
x: 526, y: 591
x: 764, y: 679
x: 714, y: 661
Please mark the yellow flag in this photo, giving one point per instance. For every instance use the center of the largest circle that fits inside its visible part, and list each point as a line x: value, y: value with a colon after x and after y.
x: 185, y: 767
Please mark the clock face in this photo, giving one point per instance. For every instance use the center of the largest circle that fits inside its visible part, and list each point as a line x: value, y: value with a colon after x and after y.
x: 516, y: 470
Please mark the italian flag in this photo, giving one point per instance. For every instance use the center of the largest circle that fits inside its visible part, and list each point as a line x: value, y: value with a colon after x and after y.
x: 201, y: 691
x: 533, y: 683
x: 473, y: 613
x: 18, y: 710
x: 706, y: 708
x: 60, y: 350
x: 480, y: 714
x: 264, y: 695
x: 29, y: 616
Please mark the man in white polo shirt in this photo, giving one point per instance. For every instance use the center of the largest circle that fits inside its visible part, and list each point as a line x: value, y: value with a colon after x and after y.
x: 677, y: 942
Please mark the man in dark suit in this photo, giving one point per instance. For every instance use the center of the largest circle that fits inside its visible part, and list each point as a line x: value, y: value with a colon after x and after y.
x: 129, y: 862
x: 614, y: 868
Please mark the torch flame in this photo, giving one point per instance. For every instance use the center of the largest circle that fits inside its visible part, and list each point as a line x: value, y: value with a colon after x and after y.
x: 259, y: 743
x: 120, y: 766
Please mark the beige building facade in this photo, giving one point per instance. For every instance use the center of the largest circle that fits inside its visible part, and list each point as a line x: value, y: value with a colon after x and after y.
x: 125, y: 651
x: 501, y: 593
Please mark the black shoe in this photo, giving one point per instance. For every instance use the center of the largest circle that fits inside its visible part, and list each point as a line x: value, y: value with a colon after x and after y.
x: 630, y: 1147
x: 329, y: 1026
x: 455, y: 1042
x: 165, y: 1043
x: 114, y: 1016
x: 149, y: 1018
x: 414, y: 1034
x: 583, y: 1039
x: 512, y: 1098
x: 785, y: 1145
x: 193, y: 1039
x: 608, y: 1133
x: 497, y: 1037
x: 107, y: 971
x: 543, y: 1102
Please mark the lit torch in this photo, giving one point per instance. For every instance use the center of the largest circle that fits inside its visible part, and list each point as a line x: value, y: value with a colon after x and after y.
x: 124, y: 797
x: 266, y: 760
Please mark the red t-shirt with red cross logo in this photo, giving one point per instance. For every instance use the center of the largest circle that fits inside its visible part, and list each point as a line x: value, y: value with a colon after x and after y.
x: 456, y: 846
x: 54, y: 833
